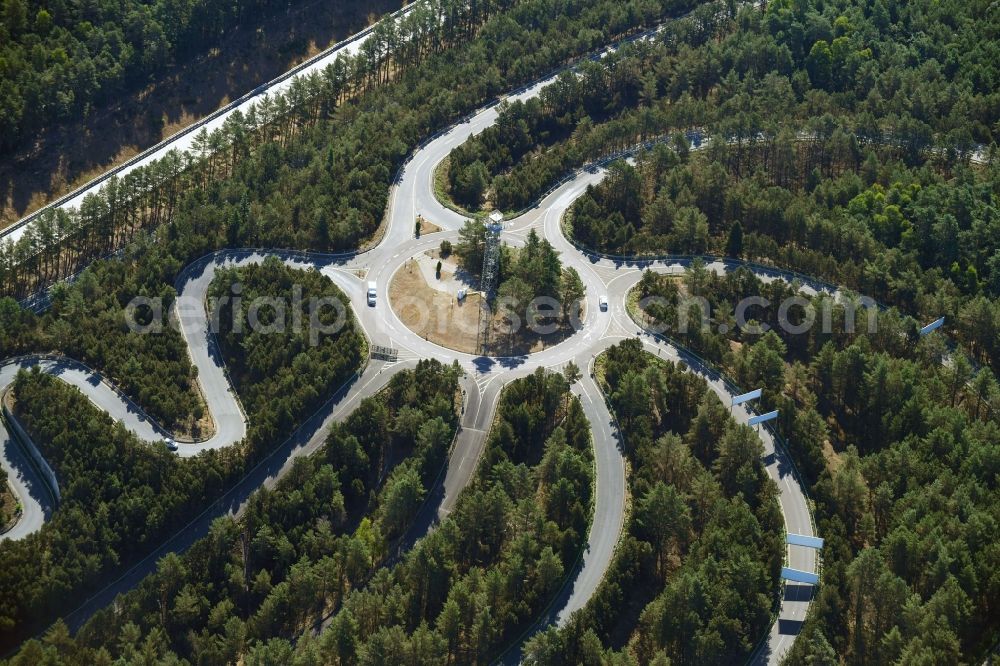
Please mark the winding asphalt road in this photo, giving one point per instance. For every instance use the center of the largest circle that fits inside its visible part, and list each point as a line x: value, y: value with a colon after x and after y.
x: 485, y: 376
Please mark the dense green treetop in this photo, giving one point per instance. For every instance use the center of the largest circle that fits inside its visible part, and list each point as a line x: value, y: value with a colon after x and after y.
x: 60, y: 59
x: 694, y: 577
x: 122, y: 497
x: 900, y: 450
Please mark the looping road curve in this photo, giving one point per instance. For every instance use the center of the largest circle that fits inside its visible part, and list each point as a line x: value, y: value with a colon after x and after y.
x: 412, y: 195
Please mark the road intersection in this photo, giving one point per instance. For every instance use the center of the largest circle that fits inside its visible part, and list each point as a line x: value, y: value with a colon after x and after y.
x: 414, y: 194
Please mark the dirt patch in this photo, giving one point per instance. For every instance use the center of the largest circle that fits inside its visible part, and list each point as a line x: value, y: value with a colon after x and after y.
x: 435, y: 315
x: 70, y: 154
x: 832, y: 458
x: 439, y: 317
x: 504, y: 342
x: 172, y: 126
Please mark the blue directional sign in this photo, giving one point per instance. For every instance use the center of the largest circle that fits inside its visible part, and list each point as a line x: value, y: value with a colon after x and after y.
x: 761, y: 418
x: 803, y: 540
x: 797, y: 576
x: 752, y: 395
x: 933, y: 326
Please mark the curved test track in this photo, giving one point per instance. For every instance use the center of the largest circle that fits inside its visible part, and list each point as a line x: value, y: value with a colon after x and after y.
x: 414, y: 194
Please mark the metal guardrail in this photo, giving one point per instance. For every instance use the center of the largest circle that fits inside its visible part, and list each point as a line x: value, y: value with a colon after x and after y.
x: 223, y: 500
x: 775, y: 614
x: 572, y: 64
x: 789, y: 274
x: 779, y: 445
x: 237, y: 253
x: 102, y: 377
x: 713, y: 369
x: 602, y: 161
x: 38, y: 301
x: 261, y: 89
x: 540, y: 622
x: 28, y: 446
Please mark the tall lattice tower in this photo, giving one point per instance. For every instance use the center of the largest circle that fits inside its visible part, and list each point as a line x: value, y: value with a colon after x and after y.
x: 491, y: 273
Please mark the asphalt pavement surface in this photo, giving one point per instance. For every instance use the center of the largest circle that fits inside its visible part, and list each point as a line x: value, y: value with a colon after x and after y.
x: 484, y: 378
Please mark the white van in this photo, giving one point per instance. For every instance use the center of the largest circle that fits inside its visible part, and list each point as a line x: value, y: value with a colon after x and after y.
x: 602, y: 303
x: 371, y: 294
